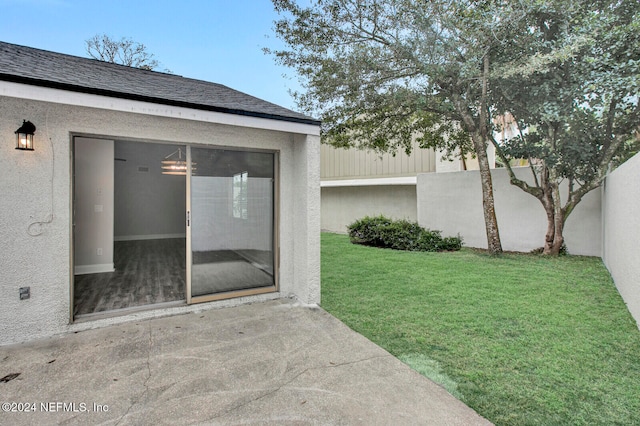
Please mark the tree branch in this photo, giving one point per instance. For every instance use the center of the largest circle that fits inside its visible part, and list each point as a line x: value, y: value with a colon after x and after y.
x: 536, y: 191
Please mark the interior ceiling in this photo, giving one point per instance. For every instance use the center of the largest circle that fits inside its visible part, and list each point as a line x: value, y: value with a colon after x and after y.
x: 210, y: 161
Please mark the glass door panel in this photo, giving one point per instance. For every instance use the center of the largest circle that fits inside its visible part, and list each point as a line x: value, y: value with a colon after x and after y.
x: 231, y: 221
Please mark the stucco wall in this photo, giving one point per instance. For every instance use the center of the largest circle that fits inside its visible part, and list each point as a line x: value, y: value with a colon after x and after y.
x: 452, y: 203
x: 621, y: 223
x: 35, y: 184
x: 343, y: 205
x: 304, y: 190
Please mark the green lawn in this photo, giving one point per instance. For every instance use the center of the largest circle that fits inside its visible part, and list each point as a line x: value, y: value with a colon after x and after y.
x: 522, y: 339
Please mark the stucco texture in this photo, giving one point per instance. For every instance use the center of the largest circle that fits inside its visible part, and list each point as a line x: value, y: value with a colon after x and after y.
x: 452, y: 203
x: 36, y: 186
x: 343, y: 205
x: 621, y: 213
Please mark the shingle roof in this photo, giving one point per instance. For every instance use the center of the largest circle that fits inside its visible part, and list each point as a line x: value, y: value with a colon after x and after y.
x: 37, y: 67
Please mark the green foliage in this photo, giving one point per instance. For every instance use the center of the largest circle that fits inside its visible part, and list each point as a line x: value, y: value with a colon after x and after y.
x: 379, y: 73
x: 570, y: 75
x: 381, y: 231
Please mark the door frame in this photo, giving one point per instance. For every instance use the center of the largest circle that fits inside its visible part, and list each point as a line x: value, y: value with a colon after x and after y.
x: 275, y: 229
x: 188, y: 299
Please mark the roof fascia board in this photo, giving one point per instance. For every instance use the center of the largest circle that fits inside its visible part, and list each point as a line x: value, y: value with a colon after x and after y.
x: 46, y: 94
x: 403, y: 180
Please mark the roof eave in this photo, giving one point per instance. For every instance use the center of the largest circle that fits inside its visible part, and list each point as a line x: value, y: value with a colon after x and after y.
x: 131, y: 96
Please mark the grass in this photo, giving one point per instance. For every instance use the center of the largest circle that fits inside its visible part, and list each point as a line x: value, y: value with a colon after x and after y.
x: 522, y: 339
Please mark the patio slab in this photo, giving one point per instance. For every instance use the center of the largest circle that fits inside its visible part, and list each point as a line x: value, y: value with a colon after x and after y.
x: 274, y: 363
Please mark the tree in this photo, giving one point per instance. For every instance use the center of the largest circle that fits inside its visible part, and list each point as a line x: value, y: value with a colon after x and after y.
x: 570, y: 79
x: 379, y: 72
x: 124, y: 52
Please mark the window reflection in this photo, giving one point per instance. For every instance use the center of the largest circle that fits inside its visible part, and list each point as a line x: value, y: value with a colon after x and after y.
x: 227, y: 253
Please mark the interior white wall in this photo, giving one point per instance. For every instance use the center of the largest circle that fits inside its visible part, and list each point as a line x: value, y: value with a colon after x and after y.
x: 213, y: 225
x: 37, y: 183
x: 452, y: 203
x: 621, y: 233
x: 93, y: 244
x: 148, y: 204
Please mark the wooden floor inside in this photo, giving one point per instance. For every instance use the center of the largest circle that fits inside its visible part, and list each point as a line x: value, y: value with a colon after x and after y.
x: 147, y: 272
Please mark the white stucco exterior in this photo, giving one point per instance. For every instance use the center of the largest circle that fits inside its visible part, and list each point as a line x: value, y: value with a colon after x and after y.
x: 36, y: 187
x: 343, y: 205
x: 621, y: 231
x: 452, y: 203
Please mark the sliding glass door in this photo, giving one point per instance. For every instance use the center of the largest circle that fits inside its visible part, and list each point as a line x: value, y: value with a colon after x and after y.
x: 231, y: 226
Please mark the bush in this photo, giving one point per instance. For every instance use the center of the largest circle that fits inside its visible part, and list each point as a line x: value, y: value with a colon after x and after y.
x: 381, y: 231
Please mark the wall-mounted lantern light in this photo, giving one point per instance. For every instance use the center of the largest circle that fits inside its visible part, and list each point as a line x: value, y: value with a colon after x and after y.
x: 24, y: 136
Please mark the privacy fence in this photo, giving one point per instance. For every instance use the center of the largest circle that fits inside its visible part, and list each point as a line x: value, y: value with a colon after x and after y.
x: 621, y: 231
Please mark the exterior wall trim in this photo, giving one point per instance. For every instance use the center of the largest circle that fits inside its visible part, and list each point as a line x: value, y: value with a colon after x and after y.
x: 45, y: 94
x: 405, y: 180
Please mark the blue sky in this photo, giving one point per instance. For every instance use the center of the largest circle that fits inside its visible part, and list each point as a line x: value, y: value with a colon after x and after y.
x: 214, y: 40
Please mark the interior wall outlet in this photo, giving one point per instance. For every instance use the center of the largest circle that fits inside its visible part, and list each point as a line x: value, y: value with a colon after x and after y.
x: 25, y: 293
x: 99, y: 252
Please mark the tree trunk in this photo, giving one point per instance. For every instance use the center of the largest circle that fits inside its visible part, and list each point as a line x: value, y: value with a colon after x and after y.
x: 480, y: 143
x: 491, y: 223
x: 555, y: 215
x: 479, y: 139
x: 555, y: 226
x: 553, y: 246
x: 480, y: 132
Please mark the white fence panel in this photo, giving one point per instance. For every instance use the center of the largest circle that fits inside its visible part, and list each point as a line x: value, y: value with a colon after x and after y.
x: 452, y: 203
x: 621, y: 213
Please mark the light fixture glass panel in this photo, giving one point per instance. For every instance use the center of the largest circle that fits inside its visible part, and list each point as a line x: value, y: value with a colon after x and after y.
x: 175, y: 164
x: 24, y: 136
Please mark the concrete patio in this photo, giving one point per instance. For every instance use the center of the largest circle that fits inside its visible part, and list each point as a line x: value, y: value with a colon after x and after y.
x: 276, y: 362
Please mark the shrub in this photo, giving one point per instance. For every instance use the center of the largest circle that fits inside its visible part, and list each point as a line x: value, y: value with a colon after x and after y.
x: 381, y: 231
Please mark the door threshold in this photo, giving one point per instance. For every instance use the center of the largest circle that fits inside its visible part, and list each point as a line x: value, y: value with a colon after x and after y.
x: 126, y: 311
